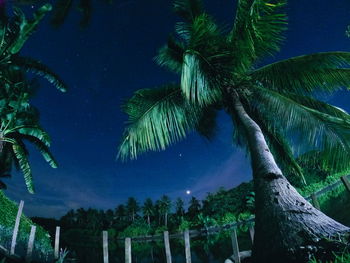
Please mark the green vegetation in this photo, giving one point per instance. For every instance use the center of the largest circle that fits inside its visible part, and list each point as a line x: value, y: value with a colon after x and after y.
x: 8, y: 213
x: 19, y: 121
x: 219, y: 69
x: 343, y: 258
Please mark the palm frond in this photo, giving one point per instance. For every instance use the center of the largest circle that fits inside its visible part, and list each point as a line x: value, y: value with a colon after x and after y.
x: 157, y: 118
x: 326, y: 71
x: 188, y: 9
x: 171, y: 55
x: 8, y: 34
x: 310, y: 128
x: 196, y: 85
x: 28, y: 27
x: 257, y: 30
x: 40, y: 69
x: 24, y: 166
x: 32, y: 131
x: 43, y: 149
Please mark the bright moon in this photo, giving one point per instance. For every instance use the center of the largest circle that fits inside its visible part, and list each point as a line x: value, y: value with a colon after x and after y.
x: 188, y: 192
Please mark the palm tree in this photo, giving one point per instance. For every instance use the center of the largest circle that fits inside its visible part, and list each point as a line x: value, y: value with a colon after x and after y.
x: 148, y: 209
x: 193, y: 208
x: 272, y: 108
x: 179, y: 207
x: 120, y: 213
x: 132, y: 207
x: 19, y: 120
x: 13, y: 34
x: 164, y: 208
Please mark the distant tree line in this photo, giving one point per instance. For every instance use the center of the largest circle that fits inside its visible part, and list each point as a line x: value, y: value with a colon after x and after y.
x: 154, y: 216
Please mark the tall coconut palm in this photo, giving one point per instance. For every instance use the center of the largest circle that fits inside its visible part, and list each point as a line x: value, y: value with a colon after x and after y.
x: 164, y: 208
x: 132, y: 207
x: 193, y: 208
x: 148, y: 209
x: 272, y: 108
x: 179, y: 207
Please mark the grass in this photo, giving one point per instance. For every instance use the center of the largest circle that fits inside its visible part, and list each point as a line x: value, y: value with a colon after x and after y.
x: 8, y: 213
x: 344, y: 258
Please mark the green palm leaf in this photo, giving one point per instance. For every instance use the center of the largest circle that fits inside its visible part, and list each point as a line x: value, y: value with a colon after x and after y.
x: 308, y: 126
x: 257, y: 30
x: 22, y: 159
x: 43, y: 149
x: 171, y: 55
x: 40, y: 69
x: 326, y: 71
x: 196, y: 86
x: 157, y: 118
x: 27, y: 27
x: 33, y: 131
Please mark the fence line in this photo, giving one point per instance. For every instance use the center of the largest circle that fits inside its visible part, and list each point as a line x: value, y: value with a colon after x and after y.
x: 166, y: 236
x: 237, y: 255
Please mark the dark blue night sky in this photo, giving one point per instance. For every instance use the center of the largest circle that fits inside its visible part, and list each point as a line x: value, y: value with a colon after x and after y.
x: 103, y: 65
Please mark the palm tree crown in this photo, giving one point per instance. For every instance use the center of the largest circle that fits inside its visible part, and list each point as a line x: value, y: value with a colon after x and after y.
x: 216, y: 65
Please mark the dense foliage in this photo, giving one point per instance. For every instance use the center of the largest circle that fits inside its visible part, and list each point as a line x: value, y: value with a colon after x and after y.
x: 8, y: 213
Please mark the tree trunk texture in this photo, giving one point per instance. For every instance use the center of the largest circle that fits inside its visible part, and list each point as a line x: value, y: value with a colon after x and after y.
x: 287, y: 227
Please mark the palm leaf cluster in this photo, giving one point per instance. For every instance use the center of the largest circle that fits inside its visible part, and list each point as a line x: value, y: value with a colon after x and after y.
x: 14, y: 32
x: 214, y: 63
x: 19, y: 120
x: 20, y: 124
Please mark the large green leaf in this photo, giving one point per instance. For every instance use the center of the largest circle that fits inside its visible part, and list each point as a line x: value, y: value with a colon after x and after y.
x: 27, y: 27
x: 308, y: 127
x: 33, y: 131
x: 40, y: 69
x: 171, y: 55
x: 24, y: 166
x: 197, y: 85
x: 306, y: 74
x: 157, y: 118
x: 43, y: 149
x: 257, y: 30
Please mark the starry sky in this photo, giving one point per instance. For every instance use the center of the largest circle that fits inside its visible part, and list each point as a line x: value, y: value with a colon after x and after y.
x: 102, y: 66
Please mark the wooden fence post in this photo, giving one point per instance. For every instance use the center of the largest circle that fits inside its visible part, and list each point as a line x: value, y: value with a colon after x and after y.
x: 345, y: 182
x: 167, y: 247
x: 187, y: 246
x: 128, y: 250
x: 315, y: 201
x: 15, y: 230
x: 57, y: 242
x: 105, y: 246
x: 30, y: 244
x: 235, y: 246
x: 251, y: 233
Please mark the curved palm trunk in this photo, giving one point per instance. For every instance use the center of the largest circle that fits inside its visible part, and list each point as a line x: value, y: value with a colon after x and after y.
x: 287, y: 227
